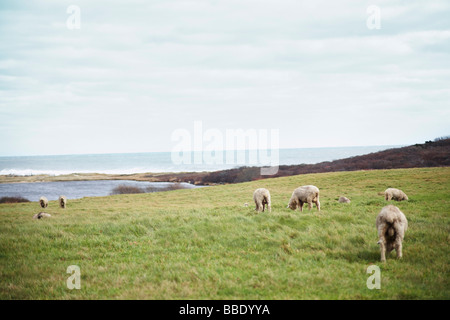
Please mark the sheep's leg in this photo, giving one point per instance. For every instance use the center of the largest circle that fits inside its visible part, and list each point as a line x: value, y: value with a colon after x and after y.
x: 309, y: 205
x: 264, y: 206
x: 269, y: 207
x: 398, y: 248
x: 301, y: 206
x: 318, y: 205
x: 382, y: 249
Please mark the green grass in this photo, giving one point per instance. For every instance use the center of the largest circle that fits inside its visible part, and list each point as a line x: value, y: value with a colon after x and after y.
x: 204, y: 244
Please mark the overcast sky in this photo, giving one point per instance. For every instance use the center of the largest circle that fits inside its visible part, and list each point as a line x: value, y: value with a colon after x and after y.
x: 137, y: 70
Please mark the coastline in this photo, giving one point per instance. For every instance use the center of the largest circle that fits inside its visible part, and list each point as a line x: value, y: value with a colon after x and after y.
x: 428, y: 154
x: 192, y: 177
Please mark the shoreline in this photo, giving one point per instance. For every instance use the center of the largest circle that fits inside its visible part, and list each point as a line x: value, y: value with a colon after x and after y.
x: 193, y: 177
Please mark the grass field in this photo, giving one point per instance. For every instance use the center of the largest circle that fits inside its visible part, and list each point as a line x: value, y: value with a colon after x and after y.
x: 204, y: 244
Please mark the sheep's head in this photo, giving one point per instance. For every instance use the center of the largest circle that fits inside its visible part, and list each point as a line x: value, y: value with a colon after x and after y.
x: 292, y: 204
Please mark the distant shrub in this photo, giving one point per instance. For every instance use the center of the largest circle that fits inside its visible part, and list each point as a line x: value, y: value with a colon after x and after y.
x: 170, y: 187
x: 124, y: 189
x: 13, y: 200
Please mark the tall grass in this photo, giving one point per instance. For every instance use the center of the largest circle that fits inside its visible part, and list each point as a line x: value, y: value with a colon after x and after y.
x: 204, y: 244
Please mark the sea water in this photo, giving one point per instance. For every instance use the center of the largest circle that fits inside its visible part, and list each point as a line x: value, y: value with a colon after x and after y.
x: 128, y: 163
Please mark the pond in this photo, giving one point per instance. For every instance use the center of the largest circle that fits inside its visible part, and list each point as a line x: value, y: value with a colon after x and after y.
x: 79, y: 189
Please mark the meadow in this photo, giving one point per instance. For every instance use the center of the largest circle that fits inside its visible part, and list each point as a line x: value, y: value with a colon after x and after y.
x: 205, y: 244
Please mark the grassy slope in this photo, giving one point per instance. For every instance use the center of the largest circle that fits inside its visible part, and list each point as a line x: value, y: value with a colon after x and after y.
x: 204, y: 244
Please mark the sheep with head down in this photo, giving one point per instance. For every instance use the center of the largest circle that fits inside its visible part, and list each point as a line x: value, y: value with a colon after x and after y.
x: 391, y: 224
x: 43, y: 202
x: 305, y: 194
x: 41, y: 215
x: 344, y: 200
x: 62, y: 202
x: 261, y: 197
x: 395, y: 194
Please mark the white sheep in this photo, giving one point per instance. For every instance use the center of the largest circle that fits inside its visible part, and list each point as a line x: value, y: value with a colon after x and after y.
x: 394, y: 194
x: 43, y: 202
x: 391, y: 224
x: 344, y: 200
x: 305, y: 194
x: 41, y: 215
x: 261, y: 197
x: 62, y: 202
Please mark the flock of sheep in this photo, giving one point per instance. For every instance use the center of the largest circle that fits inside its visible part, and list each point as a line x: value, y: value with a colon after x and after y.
x: 391, y: 223
x: 43, y: 202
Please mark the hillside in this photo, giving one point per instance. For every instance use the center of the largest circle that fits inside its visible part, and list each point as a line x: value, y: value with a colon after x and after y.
x: 204, y: 244
x: 429, y: 154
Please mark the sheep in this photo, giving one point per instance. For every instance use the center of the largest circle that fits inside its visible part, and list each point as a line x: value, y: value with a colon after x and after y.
x: 261, y: 197
x: 395, y: 194
x: 43, y: 202
x: 391, y: 224
x: 41, y: 215
x: 305, y: 194
x: 344, y: 200
x: 62, y: 202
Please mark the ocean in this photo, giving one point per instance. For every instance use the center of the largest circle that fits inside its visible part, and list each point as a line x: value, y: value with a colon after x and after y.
x: 129, y: 163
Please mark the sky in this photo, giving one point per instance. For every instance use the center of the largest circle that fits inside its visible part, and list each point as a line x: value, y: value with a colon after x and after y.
x: 136, y: 71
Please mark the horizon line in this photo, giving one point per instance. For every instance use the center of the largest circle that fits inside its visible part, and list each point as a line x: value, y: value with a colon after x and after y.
x: 222, y: 150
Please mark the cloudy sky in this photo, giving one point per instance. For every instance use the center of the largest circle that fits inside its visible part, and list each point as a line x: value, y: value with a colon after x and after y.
x: 137, y: 70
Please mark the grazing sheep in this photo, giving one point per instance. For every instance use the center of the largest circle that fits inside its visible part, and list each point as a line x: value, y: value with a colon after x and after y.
x: 261, y: 197
x: 391, y: 225
x: 62, y: 202
x: 344, y: 200
x: 43, y: 202
x: 395, y: 194
x: 302, y: 195
x: 41, y: 215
